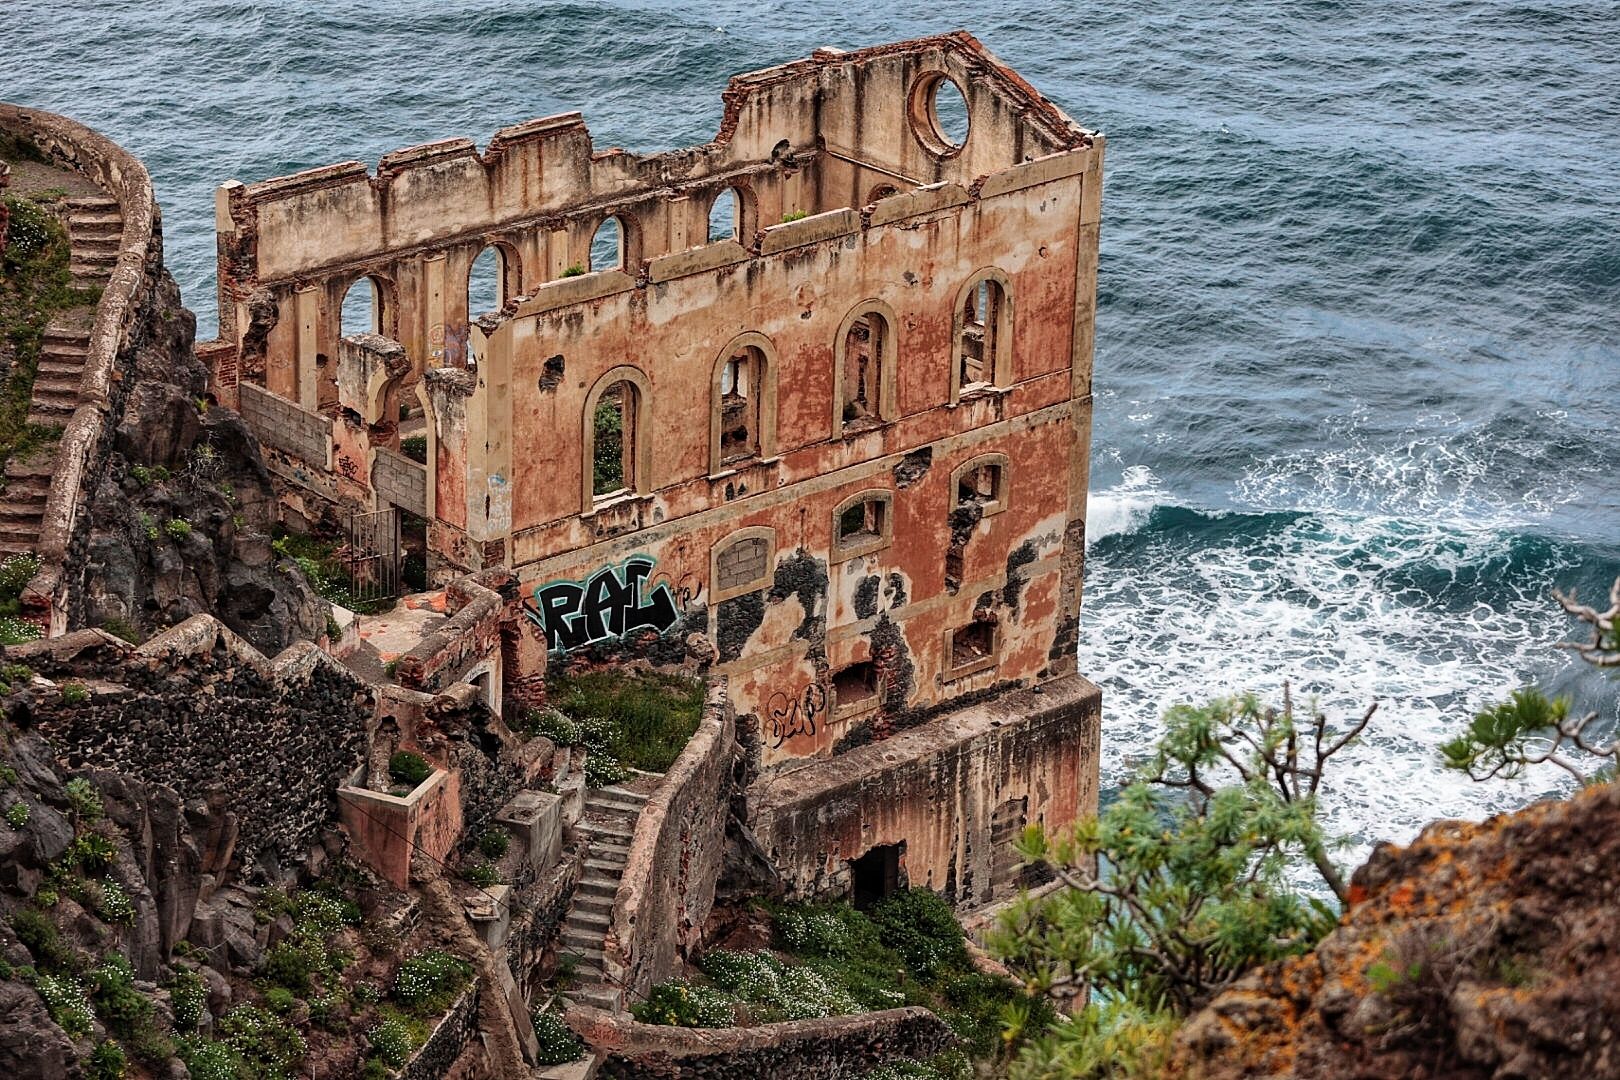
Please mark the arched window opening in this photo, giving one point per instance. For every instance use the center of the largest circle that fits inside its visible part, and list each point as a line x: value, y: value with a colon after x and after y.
x: 613, y: 453
x: 362, y: 311
x: 981, y: 323
x: 607, y: 246
x: 863, y: 388
x: 486, y: 282
x: 742, y: 380
x: 882, y: 191
x: 725, y: 216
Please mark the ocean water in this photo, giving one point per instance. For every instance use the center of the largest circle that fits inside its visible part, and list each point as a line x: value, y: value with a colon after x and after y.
x: 1358, y: 340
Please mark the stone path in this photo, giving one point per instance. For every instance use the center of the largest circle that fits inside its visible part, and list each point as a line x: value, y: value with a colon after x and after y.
x: 608, y: 823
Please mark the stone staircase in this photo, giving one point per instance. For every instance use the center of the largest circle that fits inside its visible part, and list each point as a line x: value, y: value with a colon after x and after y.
x: 95, y: 232
x: 608, y: 822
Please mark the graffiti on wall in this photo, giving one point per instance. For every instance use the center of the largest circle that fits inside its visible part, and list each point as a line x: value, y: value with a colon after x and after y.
x: 611, y: 603
x: 795, y: 716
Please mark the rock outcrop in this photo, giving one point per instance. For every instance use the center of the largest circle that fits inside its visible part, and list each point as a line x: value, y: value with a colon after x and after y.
x: 1488, y: 950
x: 182, y: 515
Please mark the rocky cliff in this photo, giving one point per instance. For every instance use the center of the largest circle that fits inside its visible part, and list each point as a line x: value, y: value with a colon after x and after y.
x: 183, y: 513
x: 1489, y: 950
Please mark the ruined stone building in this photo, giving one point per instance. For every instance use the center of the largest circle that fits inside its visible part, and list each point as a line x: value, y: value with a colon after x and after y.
x: 834, y: 449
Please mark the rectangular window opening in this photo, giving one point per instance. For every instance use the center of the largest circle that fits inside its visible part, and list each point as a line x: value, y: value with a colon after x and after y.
x: 863, y: 521
x: 973, y: 643
x: 855, y: 686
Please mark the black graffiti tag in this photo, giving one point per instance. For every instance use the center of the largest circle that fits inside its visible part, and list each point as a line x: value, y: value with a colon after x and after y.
x: 796, y: 716
x: 608, y: 604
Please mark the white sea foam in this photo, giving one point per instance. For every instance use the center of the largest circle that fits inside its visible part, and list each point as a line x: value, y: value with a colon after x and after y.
x: 1351, y: 609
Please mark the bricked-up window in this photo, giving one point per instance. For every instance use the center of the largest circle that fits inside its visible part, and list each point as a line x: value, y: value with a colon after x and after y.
x: 862, y: 524
x: 864, y: 364
x: 741, y: 383
x: 972, y: 648
x: 855, y: 689
x: 742, y: 563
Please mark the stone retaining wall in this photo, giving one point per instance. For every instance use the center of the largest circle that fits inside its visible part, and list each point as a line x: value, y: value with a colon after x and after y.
x: 668, y: 885
x: 201, y: 710
x: 447, y: 1041
x: 121, y: 322
x: 830, y: 1048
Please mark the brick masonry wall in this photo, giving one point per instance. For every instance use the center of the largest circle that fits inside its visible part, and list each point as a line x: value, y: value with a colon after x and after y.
x: 399, y: 480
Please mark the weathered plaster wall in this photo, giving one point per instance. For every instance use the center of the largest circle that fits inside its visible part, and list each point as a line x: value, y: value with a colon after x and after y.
x: 202, y: 711
x: 938, y: 790
x: 669, y: 877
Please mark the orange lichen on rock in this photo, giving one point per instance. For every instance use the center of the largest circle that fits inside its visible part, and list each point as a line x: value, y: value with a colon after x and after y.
x: 1477, y: 951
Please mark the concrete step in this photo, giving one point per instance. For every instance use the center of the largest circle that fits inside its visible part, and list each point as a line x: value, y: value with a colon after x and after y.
x: 580, y: 943
x: 15, y: 538
x: 93, y: 256
x: 64, y: 350
x: 79, y: 280
x: 65, y: 335
x: 599, y: 886
x: 588, y: 919
x: 613, y: 795
x: 24, y: 513
x: 598, y: 996
x: 95, y: 203
x: 585, y: 956
x: 608, y: 868
x: 595, y: 906
x: 95, y: 223
x: 97, y: 241
x: 71, y: 370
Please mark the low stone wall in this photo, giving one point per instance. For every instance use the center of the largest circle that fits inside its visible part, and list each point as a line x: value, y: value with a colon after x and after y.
x: 469, y: 637
x: 951, y: 795
x: 201, y: 710
x: 447, y: 1041
x: 830, y: 1048
x: 668, y: 885
x: 125, y: 307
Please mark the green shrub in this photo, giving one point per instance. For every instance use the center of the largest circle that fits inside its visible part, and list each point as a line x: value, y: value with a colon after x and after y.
x: 123, y: 628
x: 406, y: 767
x: 112, y: 902
x: 38, y: 934
x: 92, y: 853
x: 602, y: 769
x: 84, y: 799
x: 493, y: 843
x: 553, y: 724
x: 427, y: 982
x: 795, y: 215
x: 177, y: 528
x: 392, y: 1041
x: 266, y: 1044
x: 280, y: 1000
x: 479, y: 873
x: 107, y: 1061
x: 16, y: 571
x: 920, y: 925
x: 188, y: 997
x: 575, y: 270
x: 678, y: 1003
x: 207, y: 1060
x: 414, y: 447
x: 74, y: 693
x: 366, y: 993
x: 64, y: 1000
x: 125, y: 1010
x: 17, y: 814
x: 558, y: 1043
x: 293, y: 962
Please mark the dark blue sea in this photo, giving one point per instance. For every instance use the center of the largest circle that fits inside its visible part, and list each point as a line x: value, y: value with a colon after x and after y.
x: 1358, y: 341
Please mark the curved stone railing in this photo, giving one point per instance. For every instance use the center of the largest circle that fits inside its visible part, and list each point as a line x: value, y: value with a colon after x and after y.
x: 669, y: 876
x: 822, y: 1049
x: 84, y: 439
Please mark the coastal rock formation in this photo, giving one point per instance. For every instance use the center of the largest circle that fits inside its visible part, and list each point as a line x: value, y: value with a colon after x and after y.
x: 183, y: 513
x: 1483, y: 950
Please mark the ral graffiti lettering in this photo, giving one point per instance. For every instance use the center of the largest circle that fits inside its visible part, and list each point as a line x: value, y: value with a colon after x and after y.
x: 795, y: 716
x: 609, y: 604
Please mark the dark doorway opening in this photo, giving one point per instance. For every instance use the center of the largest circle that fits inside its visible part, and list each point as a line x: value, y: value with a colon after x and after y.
x: 875, y: 875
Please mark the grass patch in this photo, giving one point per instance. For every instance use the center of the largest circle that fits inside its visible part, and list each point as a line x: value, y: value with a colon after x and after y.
x: 831, y: 959
x: 34, y: 287
x: 641, y: 719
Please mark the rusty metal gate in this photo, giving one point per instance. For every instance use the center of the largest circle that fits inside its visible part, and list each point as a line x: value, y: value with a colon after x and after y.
x: 373, y: 555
